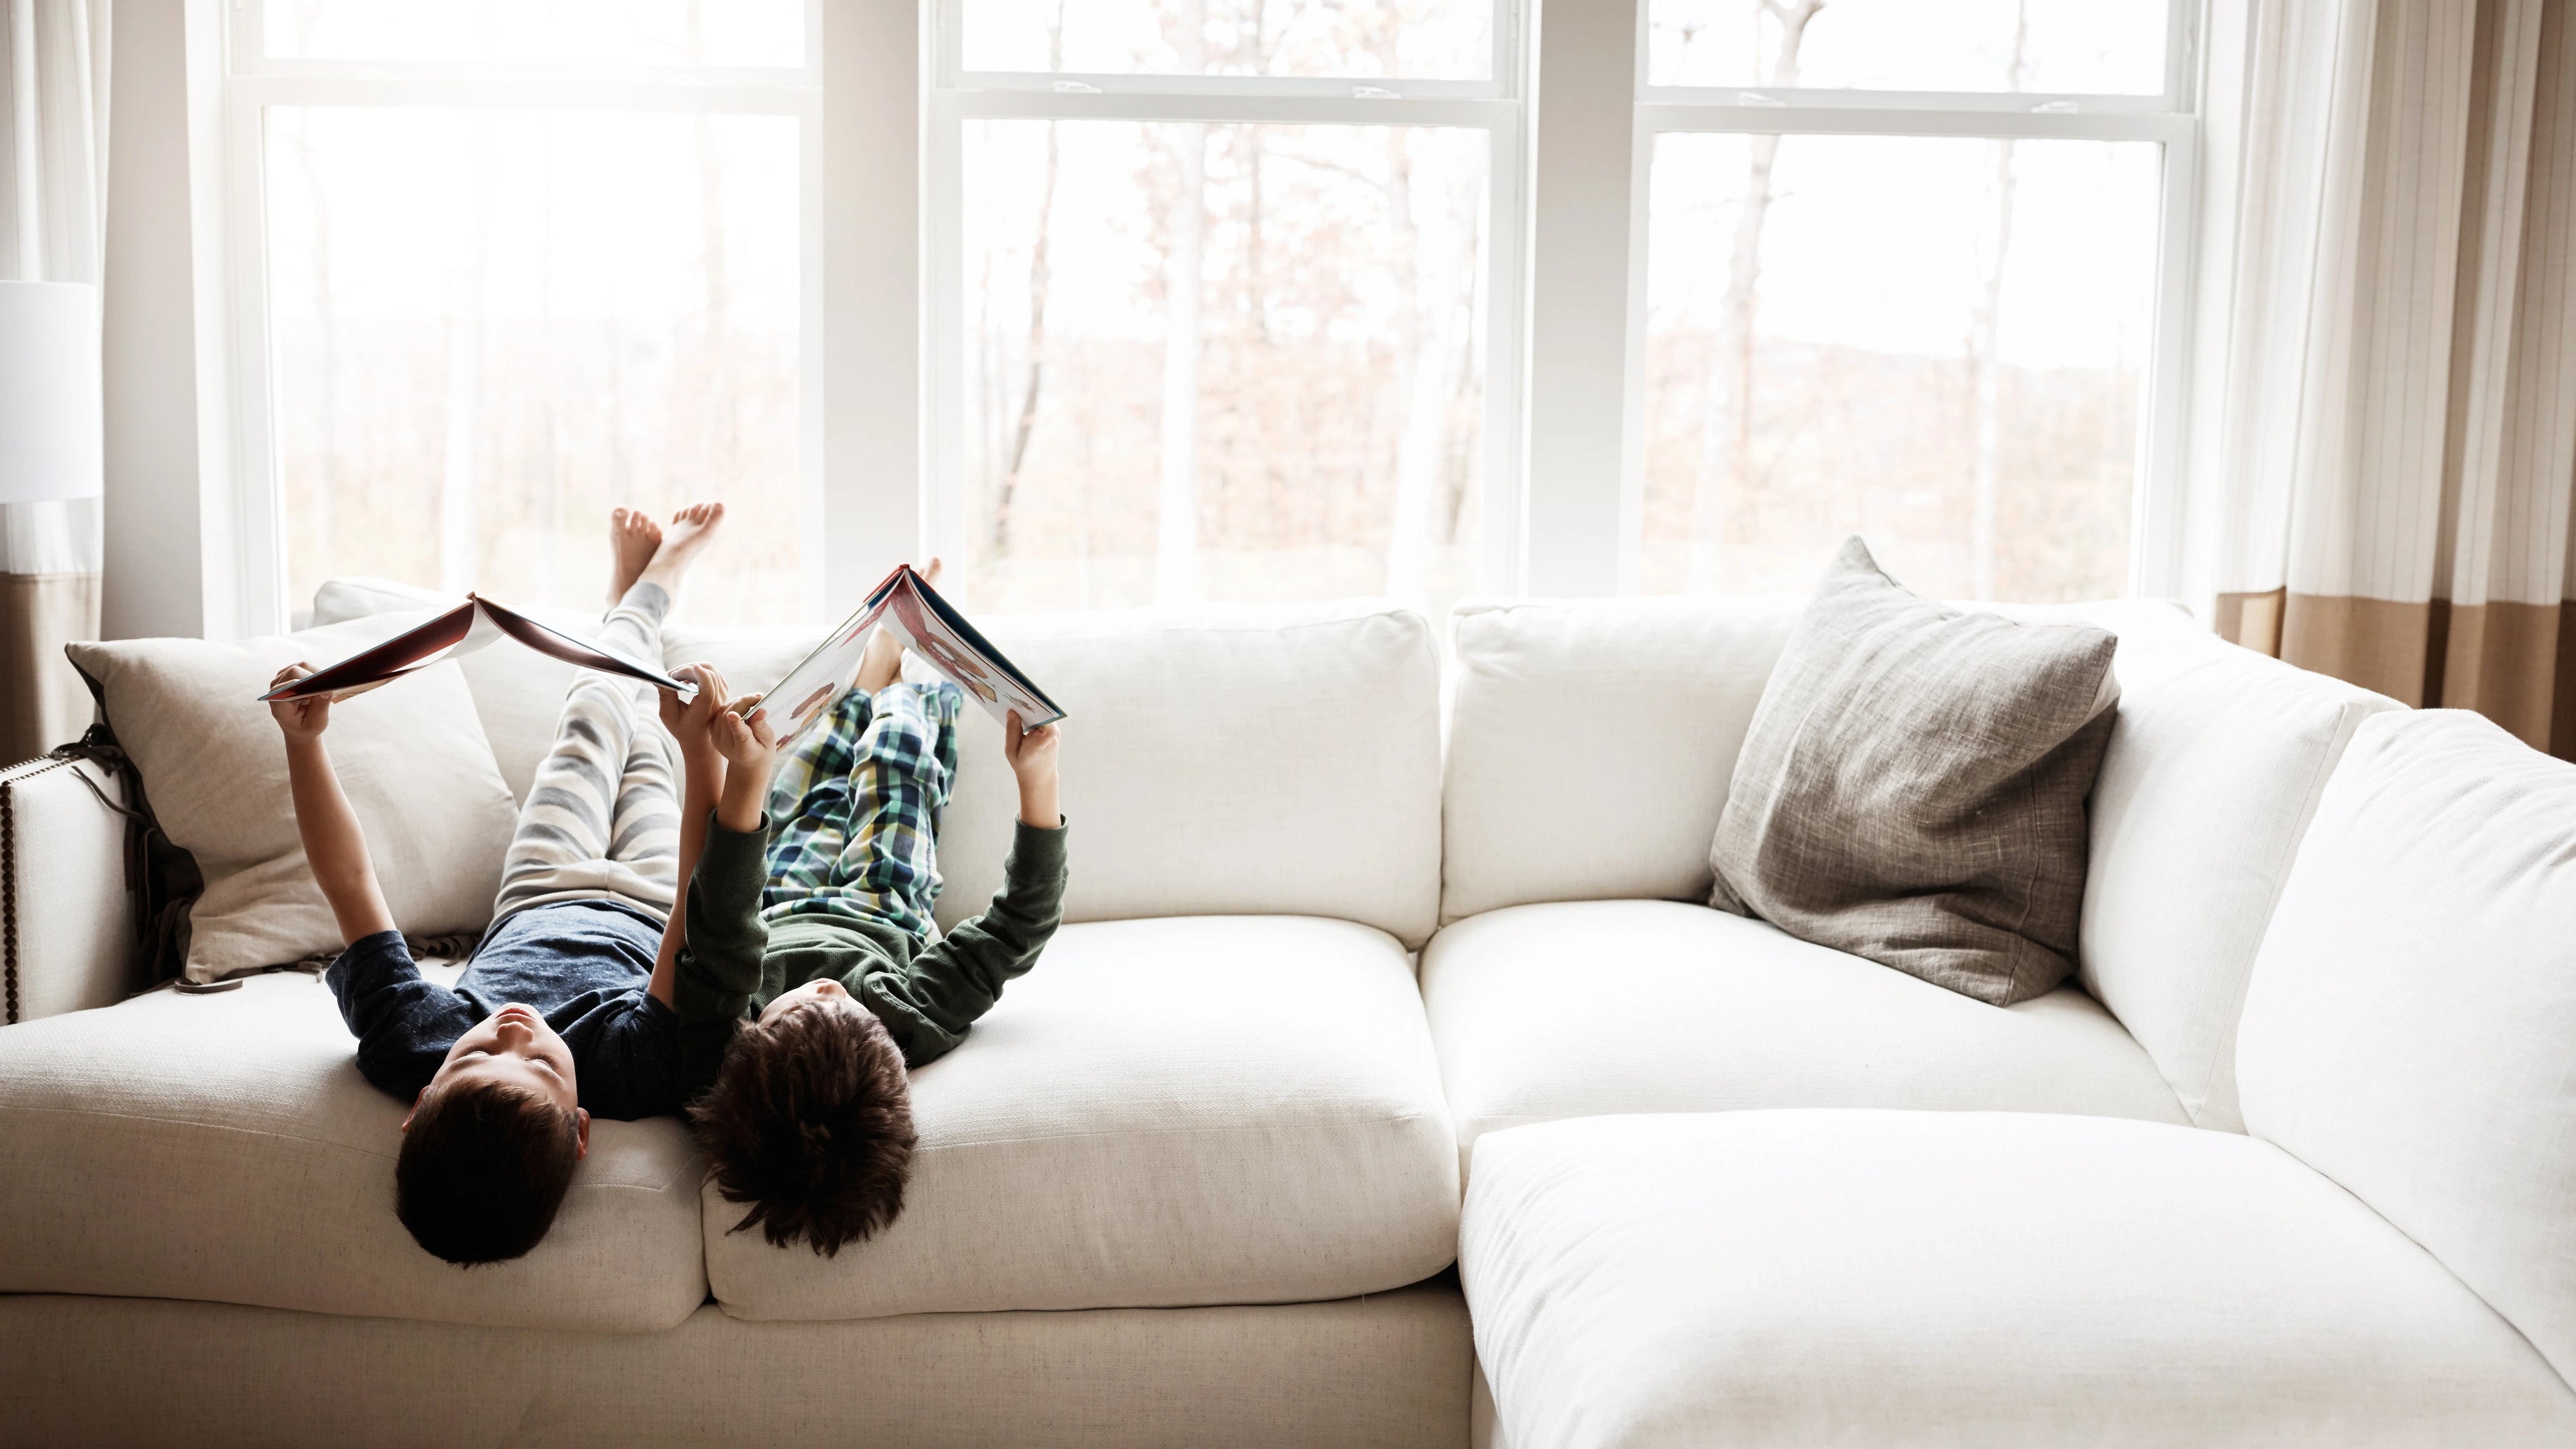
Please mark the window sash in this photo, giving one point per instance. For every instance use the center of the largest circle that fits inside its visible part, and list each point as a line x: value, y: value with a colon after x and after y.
x: 256, y: 81
x: 1492, y: 105
x: 2171, y: 120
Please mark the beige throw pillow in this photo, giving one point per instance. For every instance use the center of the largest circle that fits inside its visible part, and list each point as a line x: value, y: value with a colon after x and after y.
x: 1912, y: 787
x: 411, y: 756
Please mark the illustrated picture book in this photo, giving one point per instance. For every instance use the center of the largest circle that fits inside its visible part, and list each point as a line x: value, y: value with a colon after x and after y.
x: 907, y: 604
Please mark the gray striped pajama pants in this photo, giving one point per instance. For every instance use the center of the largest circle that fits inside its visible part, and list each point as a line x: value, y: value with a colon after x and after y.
x: 602, y: 820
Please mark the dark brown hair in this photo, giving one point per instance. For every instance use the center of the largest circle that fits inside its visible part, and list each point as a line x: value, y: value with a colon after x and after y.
x: 810, y: 1122
x: 482, y: 1171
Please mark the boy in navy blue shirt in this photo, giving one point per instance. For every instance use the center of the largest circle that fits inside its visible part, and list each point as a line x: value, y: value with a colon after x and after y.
x: 565, y: 1011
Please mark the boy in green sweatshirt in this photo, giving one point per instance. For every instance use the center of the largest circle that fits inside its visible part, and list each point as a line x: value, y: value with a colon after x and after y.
x: 813, y: 978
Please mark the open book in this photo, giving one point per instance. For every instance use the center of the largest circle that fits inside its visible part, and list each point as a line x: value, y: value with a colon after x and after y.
x: 904, y: 603
x: 458, y: 632
x: 907, y: 604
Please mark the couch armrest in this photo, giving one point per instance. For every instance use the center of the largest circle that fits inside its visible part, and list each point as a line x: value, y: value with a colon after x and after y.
x: 66, y: 918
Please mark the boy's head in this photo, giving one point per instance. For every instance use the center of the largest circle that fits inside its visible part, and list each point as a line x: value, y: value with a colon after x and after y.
x: 490, y: 1143
x: 810, y: 1121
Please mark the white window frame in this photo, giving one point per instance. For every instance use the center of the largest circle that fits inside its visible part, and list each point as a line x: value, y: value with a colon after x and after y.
x: 1493, y: 105
x: 881, y: 110
x: 254, y: 81
x: 1598, y: 560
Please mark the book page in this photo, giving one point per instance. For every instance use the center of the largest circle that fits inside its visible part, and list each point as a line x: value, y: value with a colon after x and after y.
x: 817, y: 682
x: 556, y: 644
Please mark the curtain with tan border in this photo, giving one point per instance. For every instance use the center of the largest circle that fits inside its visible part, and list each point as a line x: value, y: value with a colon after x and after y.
x: 53, y: 211
x: 2399, y: 444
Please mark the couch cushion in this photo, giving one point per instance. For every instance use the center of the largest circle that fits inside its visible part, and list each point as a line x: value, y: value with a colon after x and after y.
x: 1303, y: 737
x: 412, y: 757
x: 2214, y: 769
x: 224, y: 1148
x: 1590, y: 1007
x: 1640, y: 704
x: 1809, y: 1277
x: 2411, y: 1030
x: 1162, y: 1113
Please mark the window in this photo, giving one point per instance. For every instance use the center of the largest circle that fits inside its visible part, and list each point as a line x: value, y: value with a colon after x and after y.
x: 1214, y: 299
x: 1910, y: 272
x: 1214, y: 292
x: 506, y: 266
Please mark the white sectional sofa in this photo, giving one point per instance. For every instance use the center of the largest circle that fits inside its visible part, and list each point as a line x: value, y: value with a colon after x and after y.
x: 1198, y: 1178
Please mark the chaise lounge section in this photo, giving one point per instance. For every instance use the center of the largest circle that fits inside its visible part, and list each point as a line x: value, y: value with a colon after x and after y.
x: 2384, y: 1258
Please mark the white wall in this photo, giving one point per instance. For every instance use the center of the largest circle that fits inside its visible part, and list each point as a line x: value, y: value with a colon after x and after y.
x: 168, y: 507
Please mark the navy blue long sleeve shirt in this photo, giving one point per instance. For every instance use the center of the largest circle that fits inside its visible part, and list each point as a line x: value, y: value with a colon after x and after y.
x: 584, y: 966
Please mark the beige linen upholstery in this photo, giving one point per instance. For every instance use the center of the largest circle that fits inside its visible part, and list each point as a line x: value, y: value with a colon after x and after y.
x: 1637, y: 706
x: 224, y: 1147
x: 2411, y: 1029
x: 1302, y: 737
x: 1386, y: 1372
x: 1912, y: 786
x: 1162, y: 1113
x: 2214, y: 769
x: 412, y: 757
x: 1810, y: 1277
x: 1590, y: 1007
x: 73, y: 940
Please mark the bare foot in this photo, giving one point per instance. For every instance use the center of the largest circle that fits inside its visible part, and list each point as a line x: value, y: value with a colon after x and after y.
x: 882, y: 664
x: 632, y: 537
x: 682, y: 537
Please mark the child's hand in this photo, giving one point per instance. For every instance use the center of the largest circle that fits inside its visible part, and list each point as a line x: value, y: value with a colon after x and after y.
x: 690, y: 723
x: 1030, y: 751
x: 744, y: 735
x: 1032, y: 756
x: 299, y: 719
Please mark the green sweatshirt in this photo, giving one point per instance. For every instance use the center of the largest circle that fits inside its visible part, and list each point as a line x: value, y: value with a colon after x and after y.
x: 927, y: 995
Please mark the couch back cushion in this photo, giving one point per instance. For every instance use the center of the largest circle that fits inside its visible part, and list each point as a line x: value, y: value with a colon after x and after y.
x: 1591, y: 742
x: 2213, y: 771
x: 1273, y: 760
x: 2412, y: 1020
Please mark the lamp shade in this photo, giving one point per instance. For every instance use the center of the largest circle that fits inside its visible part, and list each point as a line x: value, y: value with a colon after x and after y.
x: 52, y: 434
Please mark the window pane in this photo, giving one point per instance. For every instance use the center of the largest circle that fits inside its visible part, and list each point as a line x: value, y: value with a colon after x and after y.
x: 489, y: 328
x: 2104, y: 46
x: 1415, y: 39
x: 1857, y: 357
x: 550, y: 32
x: 1312, y: 298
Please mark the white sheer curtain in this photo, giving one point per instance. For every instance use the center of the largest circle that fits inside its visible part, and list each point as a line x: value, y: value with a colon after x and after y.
x: 53, y: 208
x: 2398, y: 445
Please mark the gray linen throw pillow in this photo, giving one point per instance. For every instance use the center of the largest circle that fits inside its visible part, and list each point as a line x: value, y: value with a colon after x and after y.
x: 1912, y: 787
